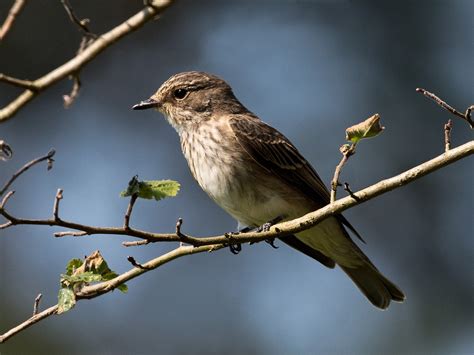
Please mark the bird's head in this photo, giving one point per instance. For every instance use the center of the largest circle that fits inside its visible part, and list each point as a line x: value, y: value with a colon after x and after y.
x: 192, y: 97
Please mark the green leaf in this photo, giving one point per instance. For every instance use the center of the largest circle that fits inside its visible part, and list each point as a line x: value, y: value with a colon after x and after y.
x: 66, y: 300
x: 72, y: 265
x: 123, y: 288
x: 151, y: 189
x: 111, y: 275
x: 93, y: 269
x: 87, y: 276
x: 158, y: 189
x: 369, y: 128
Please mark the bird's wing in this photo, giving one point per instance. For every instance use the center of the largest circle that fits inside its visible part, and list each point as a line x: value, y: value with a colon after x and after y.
x: 274, y: 152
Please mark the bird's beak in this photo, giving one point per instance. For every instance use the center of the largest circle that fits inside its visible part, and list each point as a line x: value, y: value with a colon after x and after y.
x: 150, y: 103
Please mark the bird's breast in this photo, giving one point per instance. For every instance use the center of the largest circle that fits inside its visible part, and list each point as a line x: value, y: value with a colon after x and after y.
x: 212, y: 160
x: 233, y: 180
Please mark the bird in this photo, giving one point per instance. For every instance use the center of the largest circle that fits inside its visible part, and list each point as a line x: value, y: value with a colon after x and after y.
x: 257, y: 175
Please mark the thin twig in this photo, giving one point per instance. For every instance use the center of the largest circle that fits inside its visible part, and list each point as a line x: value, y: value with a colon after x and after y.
x: 81, y: 24
x: 136, y: 243
x: 12, y: 15
x: 346, y: 151
x: 88, y: 38
x: 349, y: 191
x: 79, y: 61
x: 69, y: 99
x: 59, y: 196
x: 447, y: 135
x: 126, y: 221
x: 465, y: 116
x: 25, y: 168
x: 5, y: 198
x: 183, y: 238
x: 24, y: 84
x: 132, y: 261
x: 70, y: 233
x: 36, y: 304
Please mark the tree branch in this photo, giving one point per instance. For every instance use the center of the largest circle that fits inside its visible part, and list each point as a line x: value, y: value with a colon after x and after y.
x: 465, y: 116
x: 347, y: 151
x: 36, y: 304
x: 448, y: 127
x: 12, y: 15
x: 24, y: 84
x: 278, y: 230
x: 209, y: 244
x: 48, y: 157
x: 28, y: 323
x: 96, y: 290
x: 155, y: 8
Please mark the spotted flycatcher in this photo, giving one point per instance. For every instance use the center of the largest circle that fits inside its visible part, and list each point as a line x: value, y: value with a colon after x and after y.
x: 257, y: 175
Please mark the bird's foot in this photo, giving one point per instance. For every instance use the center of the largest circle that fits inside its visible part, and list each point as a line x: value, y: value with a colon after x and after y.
x: 265, y: 228
x: 235, y: 248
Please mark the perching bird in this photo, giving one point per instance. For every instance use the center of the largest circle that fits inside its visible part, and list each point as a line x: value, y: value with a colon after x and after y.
x: 257, y: 175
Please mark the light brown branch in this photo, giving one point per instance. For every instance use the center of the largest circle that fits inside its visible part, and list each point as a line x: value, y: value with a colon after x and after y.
x: 346, y: 151
x: 96, y: 290
x: 465, y: 116
x: 24, y: 84
x: 79, y: 61
x: 12, y: 15
x: 25, y: 167
x: 447, y: 135
x: 297, y: 225
x: 126, y: 221
x: 70, y: 233
x: 278, y: 230
x: 183, y: 238
x: 28, y: 323
x: 36, y: 304
x: 59, y: 196
x: 136, y: 243
x: 71, y: 97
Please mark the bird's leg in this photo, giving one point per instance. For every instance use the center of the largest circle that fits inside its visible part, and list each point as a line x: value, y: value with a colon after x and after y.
x: 265, y: 228
x: 237, y: 248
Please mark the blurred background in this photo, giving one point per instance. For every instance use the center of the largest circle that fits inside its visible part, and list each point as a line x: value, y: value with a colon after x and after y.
x: 310, y: 69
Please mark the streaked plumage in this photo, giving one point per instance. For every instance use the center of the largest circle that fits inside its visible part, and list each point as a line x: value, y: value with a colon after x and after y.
x: 256, y: 174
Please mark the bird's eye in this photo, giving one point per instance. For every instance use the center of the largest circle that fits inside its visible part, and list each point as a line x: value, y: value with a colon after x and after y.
x: 180, y: 93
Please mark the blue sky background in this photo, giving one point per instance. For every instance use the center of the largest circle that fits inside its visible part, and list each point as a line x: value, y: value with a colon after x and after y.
x: 310, y: 69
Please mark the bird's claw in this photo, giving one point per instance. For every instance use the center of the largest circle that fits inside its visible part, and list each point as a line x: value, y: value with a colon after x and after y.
x: 235, y: 248
x: 271, y: 241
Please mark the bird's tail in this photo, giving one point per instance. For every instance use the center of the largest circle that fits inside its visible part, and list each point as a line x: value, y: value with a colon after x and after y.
x: 376, y: 287
x: 338, y: 248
